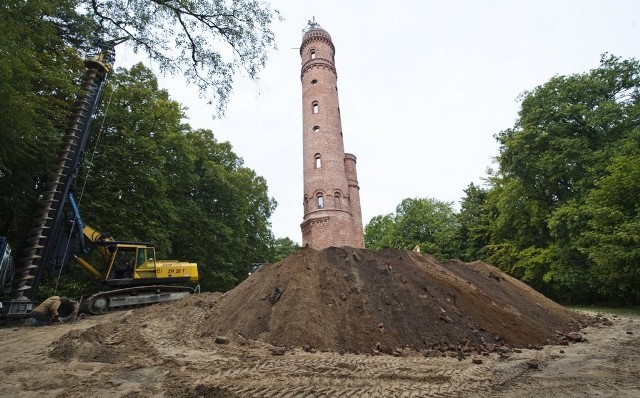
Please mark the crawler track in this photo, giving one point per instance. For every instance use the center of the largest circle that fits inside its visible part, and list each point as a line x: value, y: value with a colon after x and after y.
x: 103, y: 302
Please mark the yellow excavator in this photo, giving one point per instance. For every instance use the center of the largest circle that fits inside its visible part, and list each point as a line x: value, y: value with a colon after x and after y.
x: 129, y: 273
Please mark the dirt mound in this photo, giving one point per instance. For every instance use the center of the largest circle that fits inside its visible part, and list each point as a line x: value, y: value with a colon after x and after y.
x: 355, y: 300
x: 110, y: 343
x: 343, y: 300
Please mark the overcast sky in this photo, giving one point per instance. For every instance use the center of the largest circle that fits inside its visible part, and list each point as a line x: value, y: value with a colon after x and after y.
x: 424, y: 86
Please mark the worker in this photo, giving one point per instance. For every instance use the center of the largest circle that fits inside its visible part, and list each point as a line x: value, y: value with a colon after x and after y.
x: 47, y: 312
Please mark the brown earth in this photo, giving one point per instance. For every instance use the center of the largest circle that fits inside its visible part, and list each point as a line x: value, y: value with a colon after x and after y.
x: 350, y: 300
x: 306, y: 327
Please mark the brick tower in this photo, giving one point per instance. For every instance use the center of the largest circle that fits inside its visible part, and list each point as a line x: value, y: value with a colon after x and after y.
x: 332, y: 215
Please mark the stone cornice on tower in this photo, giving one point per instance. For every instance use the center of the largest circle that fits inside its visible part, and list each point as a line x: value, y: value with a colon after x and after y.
x: 307, y: 225
x: 317, y: 34
x: 318, y: 63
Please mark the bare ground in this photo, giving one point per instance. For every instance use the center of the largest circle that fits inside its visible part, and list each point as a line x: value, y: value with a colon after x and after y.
x: 161, y: 365
x: 335, y: 323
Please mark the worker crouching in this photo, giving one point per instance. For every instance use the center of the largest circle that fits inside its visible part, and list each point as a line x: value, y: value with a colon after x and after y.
x: 53, y: 309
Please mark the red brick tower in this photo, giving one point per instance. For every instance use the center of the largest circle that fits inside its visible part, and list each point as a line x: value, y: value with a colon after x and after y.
x: 332, y: 215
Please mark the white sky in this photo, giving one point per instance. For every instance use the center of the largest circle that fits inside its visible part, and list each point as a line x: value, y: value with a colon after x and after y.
x: 424, y: 86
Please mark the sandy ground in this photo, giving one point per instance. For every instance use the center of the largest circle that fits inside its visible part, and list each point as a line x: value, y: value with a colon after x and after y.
x: 606, y: 365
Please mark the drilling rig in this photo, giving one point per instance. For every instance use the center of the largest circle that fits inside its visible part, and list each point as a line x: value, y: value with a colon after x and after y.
x: 129, y: 273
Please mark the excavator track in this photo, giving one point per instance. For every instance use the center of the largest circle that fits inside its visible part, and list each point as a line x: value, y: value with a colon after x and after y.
x: 103, y: 302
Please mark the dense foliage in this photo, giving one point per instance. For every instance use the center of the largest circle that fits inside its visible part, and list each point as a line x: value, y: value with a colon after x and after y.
x: 38, y: 80
x: 281, y: 249
x: 427, y: 223
x: 567, y: 193
x: 152, y: 177
x: 562, y: 211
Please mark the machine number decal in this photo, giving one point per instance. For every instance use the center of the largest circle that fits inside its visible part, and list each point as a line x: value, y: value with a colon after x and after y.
x: 176, y: 271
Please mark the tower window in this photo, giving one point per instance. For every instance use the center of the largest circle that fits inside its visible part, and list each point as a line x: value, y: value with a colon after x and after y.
x: 313, y: 54
x: 314, y: 82
x: 320, y: 201
x: 338, y: 200
x: 315, y: 106
x: 316, y: 129
x: 318, y: 161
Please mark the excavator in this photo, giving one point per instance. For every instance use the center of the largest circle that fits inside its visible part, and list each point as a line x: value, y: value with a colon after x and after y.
x: 129, y: 273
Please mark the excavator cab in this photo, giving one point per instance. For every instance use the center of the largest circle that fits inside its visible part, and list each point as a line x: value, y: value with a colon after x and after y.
x: 145, y: 263
x: 122, y: 264
x: 134, y: 263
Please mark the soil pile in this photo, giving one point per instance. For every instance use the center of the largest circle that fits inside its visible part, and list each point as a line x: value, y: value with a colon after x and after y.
x: 344, y: 300
x: 356, y: 300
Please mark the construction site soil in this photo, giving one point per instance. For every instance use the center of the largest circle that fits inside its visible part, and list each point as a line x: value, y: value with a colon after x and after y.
x: 358, y: 301
x: 340, y: 322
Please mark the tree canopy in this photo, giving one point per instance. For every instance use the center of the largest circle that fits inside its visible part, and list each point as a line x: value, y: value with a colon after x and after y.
x: 565, y: 194
x: 424, y: 222
x: 562, y: 210
x: 38, y: 76
x: 205, y: 40
x: 152, y: 176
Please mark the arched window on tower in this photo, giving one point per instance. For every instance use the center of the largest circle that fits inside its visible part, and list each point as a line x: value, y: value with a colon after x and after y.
x: 316, y: 129
x: 318, y: 161
x: 315, y: 106
x: 338, y: 200
x: 314, y: 82
x: 313, y: 53
x: 320, y: 201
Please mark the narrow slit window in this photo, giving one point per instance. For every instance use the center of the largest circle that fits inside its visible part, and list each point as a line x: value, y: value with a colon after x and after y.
x: 315, y: 106
x: 313, y: 54
x: 338, y: 200
x: 318, y: 161
x: 320, y: 201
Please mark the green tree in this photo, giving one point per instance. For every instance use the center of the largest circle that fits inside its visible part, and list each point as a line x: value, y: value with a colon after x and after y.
x: 611, y: 236
x: 153, y: 178
x: 125, y: 190
x: 206, y: 40
x: 552, y: 190
x: 42, y: 46
x: 428, y: 223
x: 38, y: 75
x: 281, y: 249
x: 379, y: 232
x: 474, y: 223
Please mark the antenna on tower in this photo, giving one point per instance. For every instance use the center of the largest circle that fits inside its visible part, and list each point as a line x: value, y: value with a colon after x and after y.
x: 312, y: 24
